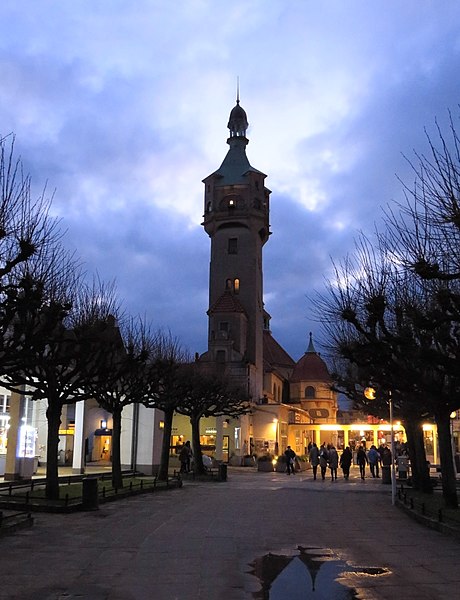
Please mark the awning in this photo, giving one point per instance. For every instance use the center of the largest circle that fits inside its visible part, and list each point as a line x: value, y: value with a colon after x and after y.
x: 103, y: 432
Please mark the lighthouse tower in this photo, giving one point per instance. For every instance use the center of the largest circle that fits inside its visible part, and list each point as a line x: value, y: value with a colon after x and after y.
x: 236, y: 218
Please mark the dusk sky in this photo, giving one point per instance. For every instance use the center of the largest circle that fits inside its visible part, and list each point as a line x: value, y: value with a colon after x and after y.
x: 122, y: 107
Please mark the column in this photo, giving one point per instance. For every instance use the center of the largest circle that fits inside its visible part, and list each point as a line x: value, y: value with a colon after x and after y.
x: 219, y: 438
x: 78, y: 461
x: 13, y: 460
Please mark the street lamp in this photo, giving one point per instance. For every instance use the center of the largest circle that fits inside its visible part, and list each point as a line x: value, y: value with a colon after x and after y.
x: 453, y: 415
x: 369, y: 393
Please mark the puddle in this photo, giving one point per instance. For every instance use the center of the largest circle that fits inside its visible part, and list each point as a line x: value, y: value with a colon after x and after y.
x: 306, y: 573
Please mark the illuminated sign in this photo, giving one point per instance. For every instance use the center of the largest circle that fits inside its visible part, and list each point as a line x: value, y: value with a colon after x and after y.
x: 26, y: 445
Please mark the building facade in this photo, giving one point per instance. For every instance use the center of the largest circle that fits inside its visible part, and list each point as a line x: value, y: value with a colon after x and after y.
x: 292, y: 403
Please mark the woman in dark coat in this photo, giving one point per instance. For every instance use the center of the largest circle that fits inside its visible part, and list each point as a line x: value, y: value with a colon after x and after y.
x: 345, y: 462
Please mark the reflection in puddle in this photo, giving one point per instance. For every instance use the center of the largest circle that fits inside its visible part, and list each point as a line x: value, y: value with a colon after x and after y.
x: 307, y: 573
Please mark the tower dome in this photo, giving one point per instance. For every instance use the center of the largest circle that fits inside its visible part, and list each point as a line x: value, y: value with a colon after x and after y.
x: 238, y: 121
x: 311, y: 367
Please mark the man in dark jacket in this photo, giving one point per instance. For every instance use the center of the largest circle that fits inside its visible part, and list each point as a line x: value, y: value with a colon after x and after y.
x: 290, y: 460
x: 345, y: 462
x: 361, y: 459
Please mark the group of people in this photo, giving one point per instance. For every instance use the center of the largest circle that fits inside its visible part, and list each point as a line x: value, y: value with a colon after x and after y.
x: 327, y: 456
x: 324, y: 457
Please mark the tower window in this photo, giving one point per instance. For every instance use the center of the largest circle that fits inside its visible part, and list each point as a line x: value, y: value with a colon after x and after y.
x: 233, y: 245
x: 232, y: 285
x: 220, y: 356
x: 310, y: 392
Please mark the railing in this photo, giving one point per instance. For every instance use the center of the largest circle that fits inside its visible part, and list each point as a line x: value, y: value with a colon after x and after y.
x: 14, y: 521
x: 25, y: 494
x: 430, y: 509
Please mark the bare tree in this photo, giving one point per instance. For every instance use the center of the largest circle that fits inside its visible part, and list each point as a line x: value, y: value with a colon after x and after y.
x: 167, y: 387
x: 208, y: 394
x: 126, y: 378
x: 62, y: 335
x: 372, y: 316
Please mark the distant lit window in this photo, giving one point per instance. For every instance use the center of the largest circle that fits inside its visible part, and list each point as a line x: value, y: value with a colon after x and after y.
x: 233, y: 245
x: 236, y: 286
x: 310, y: 392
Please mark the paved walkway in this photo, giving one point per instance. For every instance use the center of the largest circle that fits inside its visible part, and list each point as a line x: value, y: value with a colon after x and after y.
x: 198, y: 543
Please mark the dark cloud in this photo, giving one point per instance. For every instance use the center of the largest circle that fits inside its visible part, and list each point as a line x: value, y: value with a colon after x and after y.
x: 123, y: 109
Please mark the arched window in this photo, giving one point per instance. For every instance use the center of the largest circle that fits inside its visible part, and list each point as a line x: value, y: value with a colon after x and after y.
x: 310, y: 392
x: 236, y: 286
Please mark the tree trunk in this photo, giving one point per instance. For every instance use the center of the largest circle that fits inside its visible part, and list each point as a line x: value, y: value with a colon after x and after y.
x: 53, y: 415
x: 448, y: 478
x: 117, y: 477
x: 165, y: 445
x: 197, y: 454
x: 419, y: 466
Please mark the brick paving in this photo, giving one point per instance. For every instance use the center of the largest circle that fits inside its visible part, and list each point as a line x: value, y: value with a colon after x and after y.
x: 197, y: 543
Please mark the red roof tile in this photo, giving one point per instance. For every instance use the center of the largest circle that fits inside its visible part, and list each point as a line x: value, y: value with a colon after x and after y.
x: 311, y: 367
x: 274, y: 354
x: 228, y: 302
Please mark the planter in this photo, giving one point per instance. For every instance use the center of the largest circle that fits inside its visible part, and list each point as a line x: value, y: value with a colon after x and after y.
x: 280, y: 465
x: 265, y: 465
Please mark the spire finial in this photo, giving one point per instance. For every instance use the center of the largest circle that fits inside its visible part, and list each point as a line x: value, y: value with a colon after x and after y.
x: 238, y: 122
x: 311, y: 347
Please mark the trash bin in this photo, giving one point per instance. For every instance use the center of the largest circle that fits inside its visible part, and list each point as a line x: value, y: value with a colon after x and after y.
x: 386, y: 473
x: 90, y: 493
x: 403, y: 466
x: 222, y: 472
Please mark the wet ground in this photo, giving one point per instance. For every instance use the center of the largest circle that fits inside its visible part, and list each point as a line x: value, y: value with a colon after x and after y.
x: 309, y: 573
x: 258, y: 535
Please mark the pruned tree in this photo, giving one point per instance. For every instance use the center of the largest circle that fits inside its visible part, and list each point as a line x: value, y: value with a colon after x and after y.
x: 62, y: 333
x: 167, y: 387
x: 208, y: 394
x: 125, y: 378
x: 368, y: 315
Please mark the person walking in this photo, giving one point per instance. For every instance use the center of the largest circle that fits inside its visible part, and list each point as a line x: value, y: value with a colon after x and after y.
x: 290, y: 460
x: 345, y: 462
x: 185, y: 457
x: 361, y: 459
x: 333, y: 462
x: 323, y: 458
x: 314, y: 459
x: 373, y: 457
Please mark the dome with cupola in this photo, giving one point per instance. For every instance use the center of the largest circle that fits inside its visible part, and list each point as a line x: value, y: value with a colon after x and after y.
x: 311, y: 367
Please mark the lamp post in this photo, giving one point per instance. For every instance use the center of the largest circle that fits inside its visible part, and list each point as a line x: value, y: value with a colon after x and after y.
x: 453, y: 415
x: 369, y: 393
